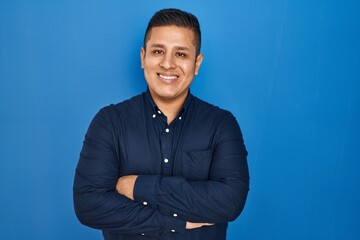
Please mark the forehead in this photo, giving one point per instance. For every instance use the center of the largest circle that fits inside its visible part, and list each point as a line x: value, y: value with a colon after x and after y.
x: 171, y: 35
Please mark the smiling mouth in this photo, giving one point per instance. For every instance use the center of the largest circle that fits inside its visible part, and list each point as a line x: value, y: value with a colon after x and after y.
x: 168, y: 78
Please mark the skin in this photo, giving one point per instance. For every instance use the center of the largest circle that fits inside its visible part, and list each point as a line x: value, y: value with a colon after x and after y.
x: 170, y: 64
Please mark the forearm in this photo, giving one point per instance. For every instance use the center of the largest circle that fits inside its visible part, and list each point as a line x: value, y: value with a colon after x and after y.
x: 194, y: 201
x: 106, y: 209
x: 125, y: 186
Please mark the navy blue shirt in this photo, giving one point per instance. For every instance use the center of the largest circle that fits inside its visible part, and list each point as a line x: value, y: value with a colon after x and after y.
x: 194, y: 169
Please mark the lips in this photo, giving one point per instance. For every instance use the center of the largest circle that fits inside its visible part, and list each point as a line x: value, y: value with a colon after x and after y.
x: 168, y: 78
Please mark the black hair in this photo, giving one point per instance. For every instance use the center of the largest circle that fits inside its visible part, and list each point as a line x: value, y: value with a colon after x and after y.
x: 176, y: 17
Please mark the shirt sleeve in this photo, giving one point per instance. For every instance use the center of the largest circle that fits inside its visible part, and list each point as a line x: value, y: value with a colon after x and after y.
x: 96, y: 201
x: 218, y: 199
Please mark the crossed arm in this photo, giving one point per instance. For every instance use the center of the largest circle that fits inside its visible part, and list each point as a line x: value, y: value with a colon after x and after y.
x: 104, y: 201
x: 125, y: 186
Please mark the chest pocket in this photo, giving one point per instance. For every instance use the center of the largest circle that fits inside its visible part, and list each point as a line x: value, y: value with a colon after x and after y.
x: 194, y: 165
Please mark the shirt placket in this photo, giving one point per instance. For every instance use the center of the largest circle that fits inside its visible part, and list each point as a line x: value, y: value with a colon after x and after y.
x: 166, y: 140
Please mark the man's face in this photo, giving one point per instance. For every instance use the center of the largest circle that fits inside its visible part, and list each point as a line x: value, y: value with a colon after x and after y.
x: 170, y: 62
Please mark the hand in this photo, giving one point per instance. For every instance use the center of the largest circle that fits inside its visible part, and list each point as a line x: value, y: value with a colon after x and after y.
x: 190, y: 225
x: 125, y: 186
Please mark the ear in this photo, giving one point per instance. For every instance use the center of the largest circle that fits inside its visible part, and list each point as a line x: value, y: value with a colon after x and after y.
x: 198, y: 62
x: 142, y: 57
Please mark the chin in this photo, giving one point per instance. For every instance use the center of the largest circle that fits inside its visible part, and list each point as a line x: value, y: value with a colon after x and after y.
x: 167, y: 96
x: 166, y: 92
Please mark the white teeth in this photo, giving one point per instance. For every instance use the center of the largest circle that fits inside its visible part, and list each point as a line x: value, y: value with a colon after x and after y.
x: 168, y: 77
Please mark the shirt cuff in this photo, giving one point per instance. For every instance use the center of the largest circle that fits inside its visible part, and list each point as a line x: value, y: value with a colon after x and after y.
x: 172, y: 224
x: 145, y: 190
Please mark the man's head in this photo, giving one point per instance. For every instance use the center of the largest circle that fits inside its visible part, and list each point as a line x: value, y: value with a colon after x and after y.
x: 175, y: 17
x: 170, y: 57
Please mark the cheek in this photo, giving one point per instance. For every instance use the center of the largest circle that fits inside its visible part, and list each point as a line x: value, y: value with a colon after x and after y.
x: 188, y: 69
x: 149, y: 61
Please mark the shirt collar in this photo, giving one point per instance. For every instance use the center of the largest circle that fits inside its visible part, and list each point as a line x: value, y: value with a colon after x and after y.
x: 155, y: 109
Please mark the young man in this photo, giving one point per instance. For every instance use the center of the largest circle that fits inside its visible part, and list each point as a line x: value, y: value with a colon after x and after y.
x: 163, y: 164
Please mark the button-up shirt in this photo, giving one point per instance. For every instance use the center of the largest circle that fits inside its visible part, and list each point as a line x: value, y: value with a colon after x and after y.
x: 194, y: 170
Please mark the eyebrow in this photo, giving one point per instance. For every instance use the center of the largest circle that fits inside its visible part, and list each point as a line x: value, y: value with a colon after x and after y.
x: 176, y: 47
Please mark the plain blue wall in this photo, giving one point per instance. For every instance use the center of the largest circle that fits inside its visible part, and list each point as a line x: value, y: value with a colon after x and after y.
x: 288, y: 70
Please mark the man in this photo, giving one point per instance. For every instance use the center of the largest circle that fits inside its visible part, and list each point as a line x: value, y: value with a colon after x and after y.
x: 163, y: 164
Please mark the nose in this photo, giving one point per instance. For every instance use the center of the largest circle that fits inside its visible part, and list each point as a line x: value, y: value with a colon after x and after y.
x: 168, y: 61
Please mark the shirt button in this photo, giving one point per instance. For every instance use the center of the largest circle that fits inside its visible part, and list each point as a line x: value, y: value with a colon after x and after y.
x: 159, y: 112
x: 173, y: 230
x: 167, y: 130
x: 166, y: 160
x: 154, y: 115
x: 175, y: 215
x: 179, y: 118
x: 145, y: 203
x: 143, y: 234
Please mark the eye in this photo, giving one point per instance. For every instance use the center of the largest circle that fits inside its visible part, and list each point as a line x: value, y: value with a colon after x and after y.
x: 158, y: 52
x: 181, y: 54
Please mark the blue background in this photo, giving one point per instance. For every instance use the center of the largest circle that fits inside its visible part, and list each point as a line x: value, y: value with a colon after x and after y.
x: 288, y: 70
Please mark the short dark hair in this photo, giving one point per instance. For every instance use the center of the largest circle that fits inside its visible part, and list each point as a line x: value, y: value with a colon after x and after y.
x: 176, y: 17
